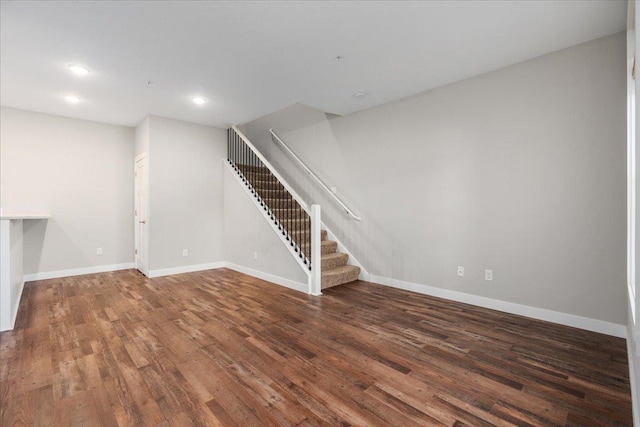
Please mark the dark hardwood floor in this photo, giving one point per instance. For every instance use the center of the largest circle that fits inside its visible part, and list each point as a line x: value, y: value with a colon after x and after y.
x: 222, y: 348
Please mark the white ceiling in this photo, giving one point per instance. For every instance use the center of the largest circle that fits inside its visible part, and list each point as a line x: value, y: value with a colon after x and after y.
x: 252, y: 58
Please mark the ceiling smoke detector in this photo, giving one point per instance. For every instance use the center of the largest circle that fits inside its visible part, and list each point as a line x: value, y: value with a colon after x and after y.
x: 359, y: 94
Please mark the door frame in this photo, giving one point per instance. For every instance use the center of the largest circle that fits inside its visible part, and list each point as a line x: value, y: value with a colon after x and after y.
x: 138, y: 244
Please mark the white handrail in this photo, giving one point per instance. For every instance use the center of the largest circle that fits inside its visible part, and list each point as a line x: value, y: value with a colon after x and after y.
x: 313, y: 175
x: 273, y: 170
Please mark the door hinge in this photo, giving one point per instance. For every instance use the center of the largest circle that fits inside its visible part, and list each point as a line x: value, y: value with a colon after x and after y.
x: 135, y: 252
x: 135, y: 174
x: 135, y: 212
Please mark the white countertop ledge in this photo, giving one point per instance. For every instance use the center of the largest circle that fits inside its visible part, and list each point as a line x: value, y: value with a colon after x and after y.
x: 25, y: 215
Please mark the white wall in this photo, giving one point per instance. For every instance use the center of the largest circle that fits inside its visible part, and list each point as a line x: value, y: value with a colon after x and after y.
x: 247, y: 231
x: 142, y: 137
x: 79, y: 171
x: 521, y: 170
x: 185, y: 194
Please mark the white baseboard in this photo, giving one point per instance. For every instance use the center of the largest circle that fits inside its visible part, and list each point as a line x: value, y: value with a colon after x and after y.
x: 185, y: 269
x: 298, y: 286
x: 586, y: 323
x: 292, y: 284
x: 77, y: 271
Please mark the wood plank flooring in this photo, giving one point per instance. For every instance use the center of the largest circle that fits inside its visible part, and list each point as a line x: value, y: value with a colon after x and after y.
x: 222, y: 348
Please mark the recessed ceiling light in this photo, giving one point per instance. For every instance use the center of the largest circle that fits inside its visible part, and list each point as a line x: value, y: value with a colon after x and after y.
x: 72, y: 99
x: 359, y: 94
x: 199, y: 100
x: 79, y: 70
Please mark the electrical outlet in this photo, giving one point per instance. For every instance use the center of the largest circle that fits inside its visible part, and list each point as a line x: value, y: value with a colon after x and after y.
x: 488, y: 275
x: 185, y: 252
x: 255, y: 255
x: 99, y: 251
x: 460, y: 271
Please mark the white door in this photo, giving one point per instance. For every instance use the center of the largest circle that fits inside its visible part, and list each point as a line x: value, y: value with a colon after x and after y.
x: 141, y: 215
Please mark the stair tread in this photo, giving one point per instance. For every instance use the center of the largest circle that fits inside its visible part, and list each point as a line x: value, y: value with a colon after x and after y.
x: 334, y: 255
x: 333, y: 260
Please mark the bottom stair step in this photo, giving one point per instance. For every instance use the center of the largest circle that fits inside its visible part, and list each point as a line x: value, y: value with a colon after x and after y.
x: 340, y: 275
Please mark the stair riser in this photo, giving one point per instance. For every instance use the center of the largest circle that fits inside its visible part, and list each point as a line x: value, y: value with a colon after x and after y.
x: 266, y: 186
x: 258, y: 176
x: 252, y: 168
x: 281, y: 204
x: 274, y: 194
x: 246, y: 171
x: 334, y: 262
x: 287, y: 212
x: 329, y: 248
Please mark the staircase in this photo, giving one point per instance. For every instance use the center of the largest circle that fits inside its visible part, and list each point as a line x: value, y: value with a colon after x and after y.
x: 296, y: 223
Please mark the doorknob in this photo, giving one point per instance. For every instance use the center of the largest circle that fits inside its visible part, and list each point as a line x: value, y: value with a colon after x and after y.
x: 142, y: 222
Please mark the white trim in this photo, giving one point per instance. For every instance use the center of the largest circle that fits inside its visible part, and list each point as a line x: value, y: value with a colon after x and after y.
x: 185, y: 269
x: 594, y: 325
x: 138, y: 245
x: 266, y: 217
x: 632, y: 354
x: 77, y: 271
x: 287, y: 283
x: 364, y: 274
x: 298, y: 286
x: 25, y: 215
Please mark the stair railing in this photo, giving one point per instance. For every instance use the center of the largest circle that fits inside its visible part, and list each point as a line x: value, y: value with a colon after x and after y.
x: 299, y: 226
x: 276, y: 139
